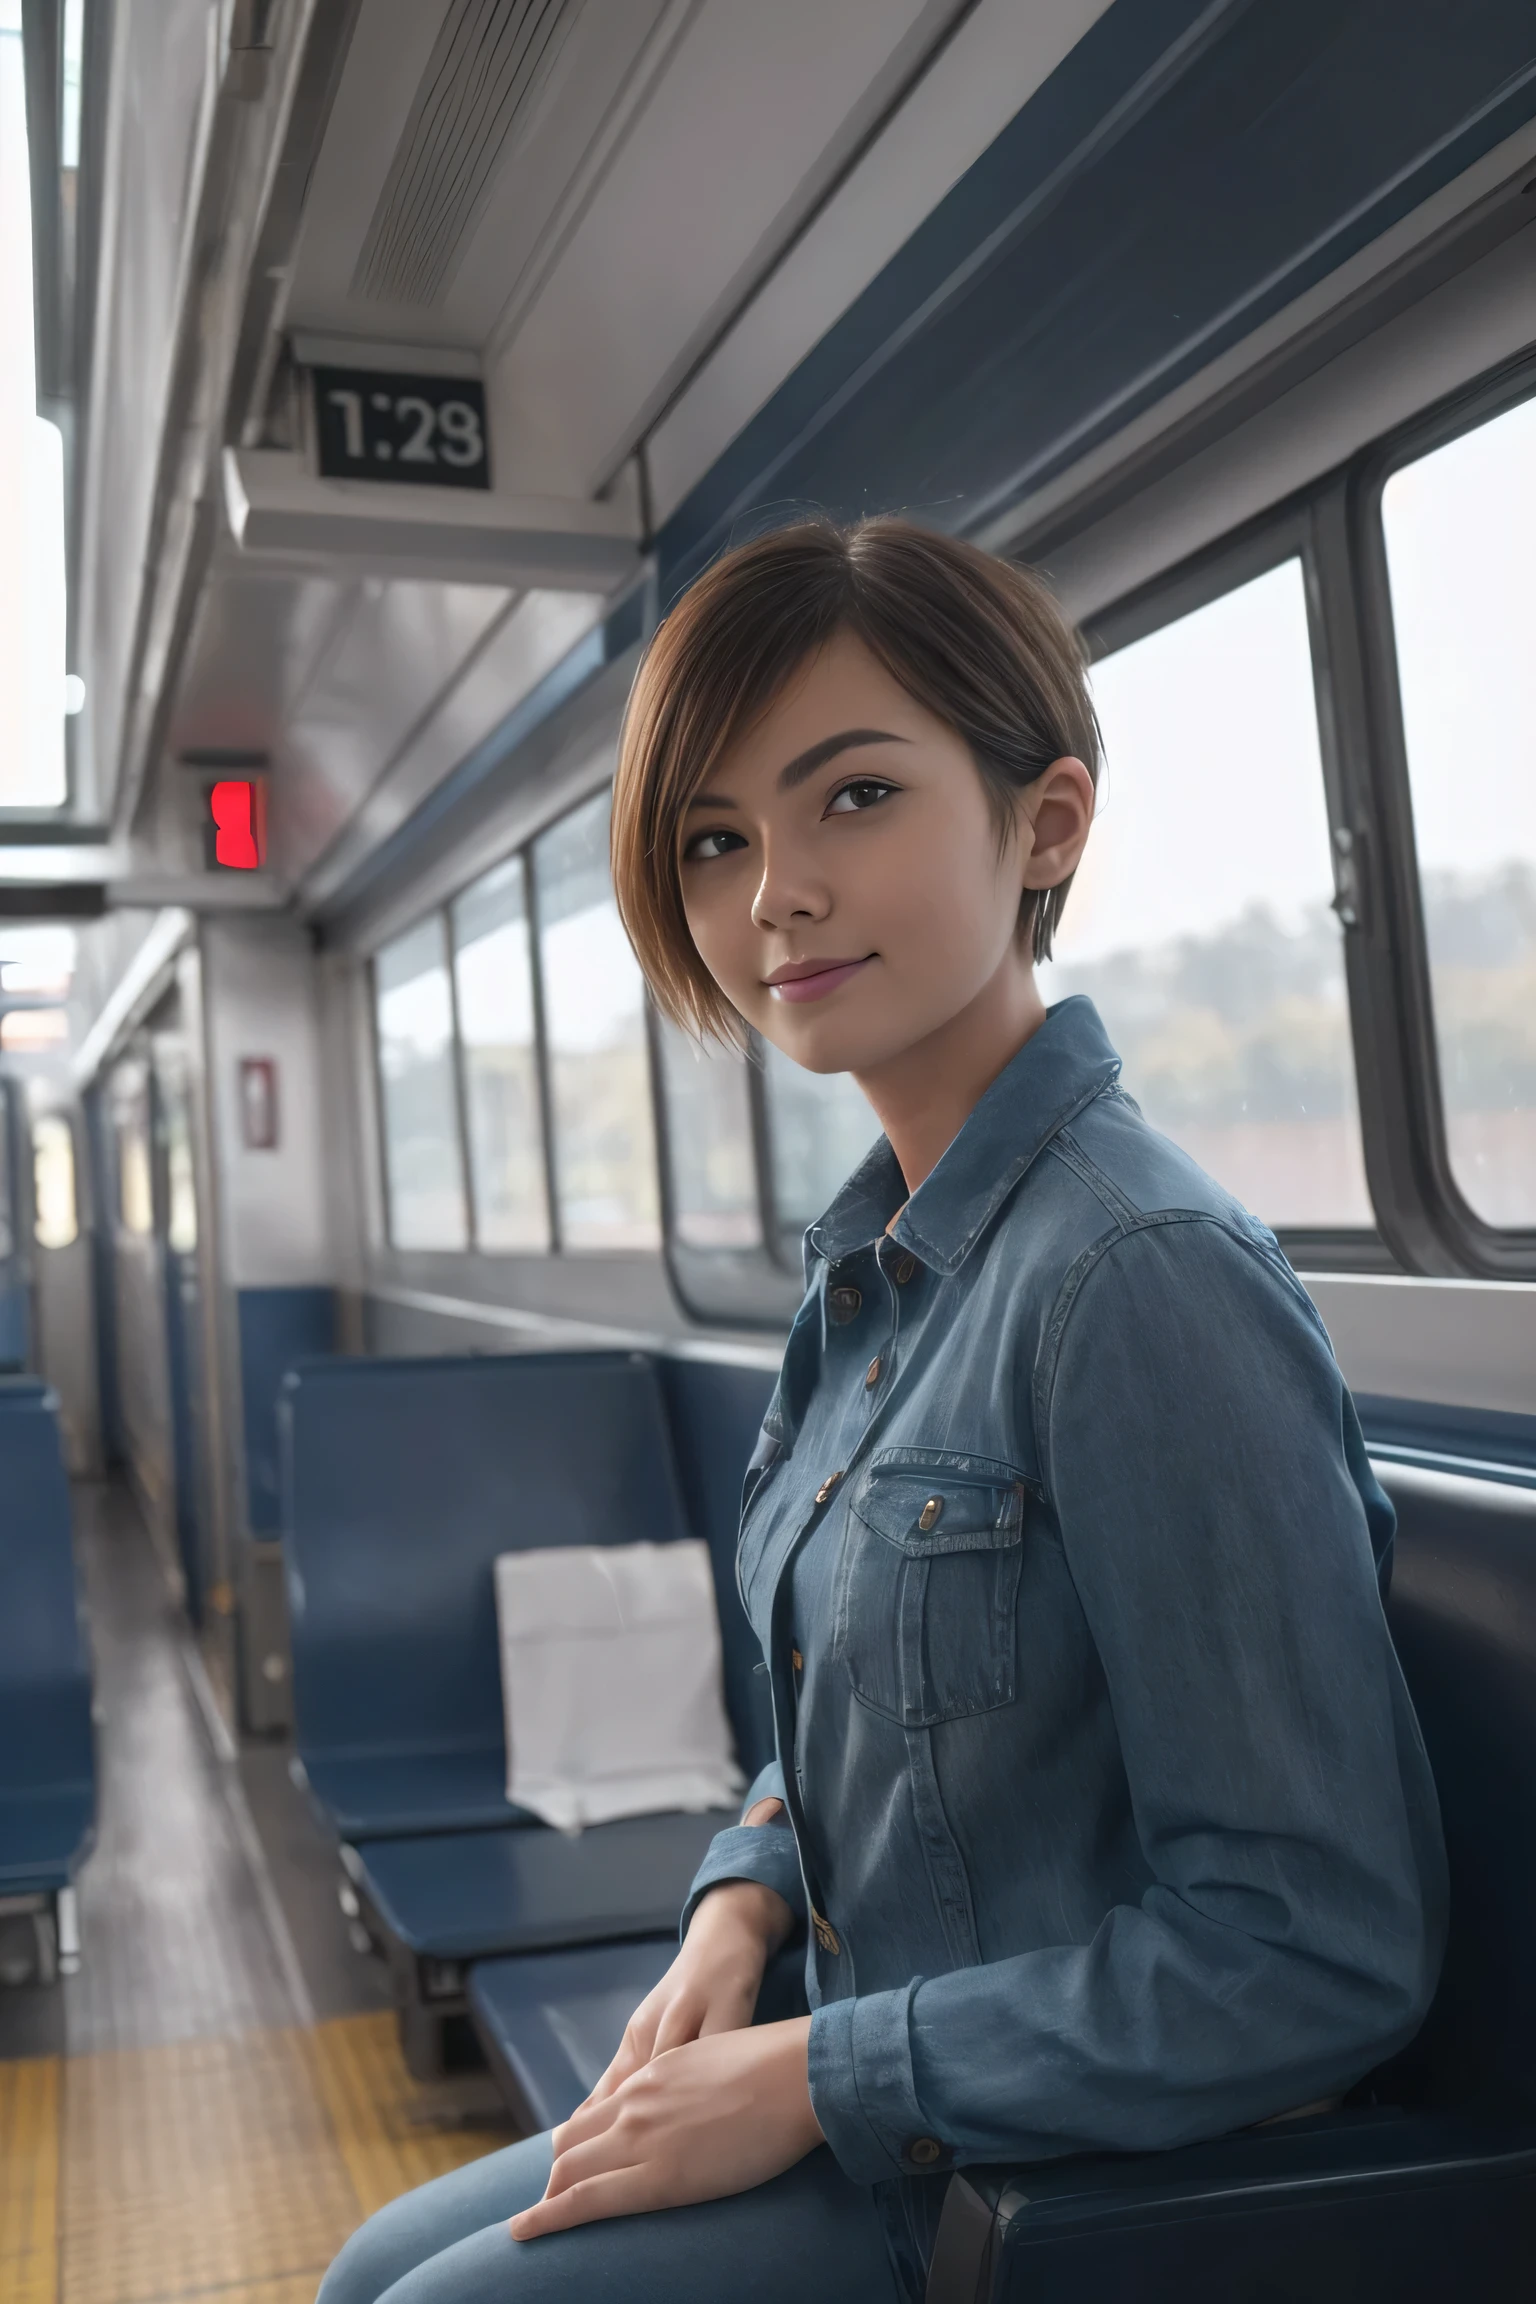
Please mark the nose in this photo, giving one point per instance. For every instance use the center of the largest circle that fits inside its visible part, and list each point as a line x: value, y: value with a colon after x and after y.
x: 790, y: 889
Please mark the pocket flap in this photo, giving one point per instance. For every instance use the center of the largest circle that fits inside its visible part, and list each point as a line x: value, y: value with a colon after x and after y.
x: 929, y: 1501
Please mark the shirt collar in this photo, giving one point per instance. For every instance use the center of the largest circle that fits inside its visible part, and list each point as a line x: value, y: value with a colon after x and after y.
x: 1058, y: 1070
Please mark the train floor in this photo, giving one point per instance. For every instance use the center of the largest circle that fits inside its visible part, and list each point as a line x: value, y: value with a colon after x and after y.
x: 212, y: 2104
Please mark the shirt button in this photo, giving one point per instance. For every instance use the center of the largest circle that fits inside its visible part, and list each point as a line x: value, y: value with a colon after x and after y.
x: 843, y: 1305
x: 929, y: 1514
x: 923, y: 2151
x: 905, y: 1270
x: 827, y: 1486
x: 872, y: 1374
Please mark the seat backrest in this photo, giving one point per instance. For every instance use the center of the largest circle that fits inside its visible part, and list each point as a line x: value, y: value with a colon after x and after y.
x: 22, y: 1391
x: 1463, y: 1613
x: 402, y: 1481
x: 45, y: 1673
x: 717, y: 1408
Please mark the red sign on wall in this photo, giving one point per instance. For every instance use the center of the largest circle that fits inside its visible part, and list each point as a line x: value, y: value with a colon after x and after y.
x: 258, y: 1103
x: 240, y: 818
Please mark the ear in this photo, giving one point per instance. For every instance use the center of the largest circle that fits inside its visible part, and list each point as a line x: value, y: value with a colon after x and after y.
x: 1056, y: 813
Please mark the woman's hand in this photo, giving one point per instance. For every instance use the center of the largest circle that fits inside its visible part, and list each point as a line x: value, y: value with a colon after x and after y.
x: 714, y: 2116
x: 712, y: 1985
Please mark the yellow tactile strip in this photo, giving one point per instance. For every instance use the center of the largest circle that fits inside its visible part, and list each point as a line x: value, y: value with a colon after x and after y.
x: 221, y: 2170
x: 29, y: 2180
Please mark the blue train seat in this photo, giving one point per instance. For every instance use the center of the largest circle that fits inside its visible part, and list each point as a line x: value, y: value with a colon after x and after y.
x: 402, y: 1481
x: 47, y: 1752
x: 551, y: 2022
x: 22, y: 1391
x: 1424, y: 2185
x: 463, y: 1896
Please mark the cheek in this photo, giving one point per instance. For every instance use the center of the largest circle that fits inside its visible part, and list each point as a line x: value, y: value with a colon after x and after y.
x: 951, y: 907
x: 719, y: 920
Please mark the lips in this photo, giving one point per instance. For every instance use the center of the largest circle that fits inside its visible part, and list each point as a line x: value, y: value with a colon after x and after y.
x: 800, y: 980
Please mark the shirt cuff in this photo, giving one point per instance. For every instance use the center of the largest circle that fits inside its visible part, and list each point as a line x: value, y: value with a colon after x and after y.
x: 864, y: 2093
x: 762, y: 1852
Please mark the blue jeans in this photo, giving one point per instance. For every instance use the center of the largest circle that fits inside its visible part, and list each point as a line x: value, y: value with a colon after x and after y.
x: 809, y: 2236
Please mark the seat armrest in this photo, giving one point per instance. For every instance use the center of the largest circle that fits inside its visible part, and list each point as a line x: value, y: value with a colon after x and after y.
x: 994, y: 2215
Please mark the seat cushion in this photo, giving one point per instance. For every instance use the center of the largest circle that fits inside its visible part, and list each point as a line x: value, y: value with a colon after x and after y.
x: 551, y: 2022
x: 465, y: 1896
x: 44, y: 1838
x: 374, y: 1798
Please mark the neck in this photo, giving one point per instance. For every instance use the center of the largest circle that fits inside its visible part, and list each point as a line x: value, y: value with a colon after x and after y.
x: 923, y: 1097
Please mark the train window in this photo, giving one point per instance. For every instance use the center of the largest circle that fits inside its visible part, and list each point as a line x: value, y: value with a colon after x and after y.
x: 1199, y: 922
x: 135, y: 1189
x: 24, y: 1031
x: 493, y: 979
x: 594, y: 1024
x: 819, y: 1129
x: 56, y: 1222
x: 711, y: 1167
x: 424, y: 1176
x: 180, y: 1173
x: 1458, y: 526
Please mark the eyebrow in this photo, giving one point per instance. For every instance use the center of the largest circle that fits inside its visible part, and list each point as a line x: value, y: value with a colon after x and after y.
x: 806, y: 763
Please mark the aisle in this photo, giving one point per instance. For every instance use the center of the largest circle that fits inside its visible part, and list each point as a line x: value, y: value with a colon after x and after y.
x: 174, y: 2122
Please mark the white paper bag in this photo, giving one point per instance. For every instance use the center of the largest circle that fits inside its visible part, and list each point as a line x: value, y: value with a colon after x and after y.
x: 611, y: 1682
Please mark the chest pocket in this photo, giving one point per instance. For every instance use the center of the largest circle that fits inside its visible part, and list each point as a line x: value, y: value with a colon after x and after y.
x: 928, y: 1586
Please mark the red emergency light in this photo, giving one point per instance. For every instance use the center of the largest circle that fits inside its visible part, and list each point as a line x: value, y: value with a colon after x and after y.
x: 240, y: 818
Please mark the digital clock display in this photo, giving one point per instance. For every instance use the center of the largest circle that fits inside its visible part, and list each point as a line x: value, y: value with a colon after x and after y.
x: 428, y: 431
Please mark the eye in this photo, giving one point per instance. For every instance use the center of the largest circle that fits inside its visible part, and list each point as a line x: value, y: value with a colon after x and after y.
x: 706, y: 845
x: 863, y: 792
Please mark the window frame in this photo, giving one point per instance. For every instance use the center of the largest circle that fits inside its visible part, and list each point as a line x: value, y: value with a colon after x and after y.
x: 1424, y: 1225
x: 444, y: 917
x: 475, y: 1245
x: 1442, y: 1233
x: 559, y: 1245
x: 1286, y: 532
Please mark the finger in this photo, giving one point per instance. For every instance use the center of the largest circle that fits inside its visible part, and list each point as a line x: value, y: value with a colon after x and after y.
x: 627, y: 2061
x: 594, y: 2118
x: 618, y: 2192
x: 682, y: 2022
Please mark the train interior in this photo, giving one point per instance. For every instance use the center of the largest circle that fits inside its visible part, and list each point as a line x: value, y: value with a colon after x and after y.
x: 373, y: 376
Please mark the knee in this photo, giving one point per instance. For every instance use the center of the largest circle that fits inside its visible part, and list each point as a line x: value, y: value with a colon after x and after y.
x: 378, y: 2254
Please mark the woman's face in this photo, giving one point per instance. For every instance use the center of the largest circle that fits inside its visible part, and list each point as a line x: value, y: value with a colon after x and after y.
x: 842, y: 873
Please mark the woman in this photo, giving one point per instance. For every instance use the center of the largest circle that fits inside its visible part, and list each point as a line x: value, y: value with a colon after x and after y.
x: 1099, y: 1798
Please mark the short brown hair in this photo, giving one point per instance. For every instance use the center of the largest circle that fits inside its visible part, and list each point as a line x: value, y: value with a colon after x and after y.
x: 978, y: 642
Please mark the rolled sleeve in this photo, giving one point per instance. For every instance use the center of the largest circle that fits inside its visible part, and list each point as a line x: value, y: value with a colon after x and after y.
x: 765, y: 1853
x: 864, y: 2091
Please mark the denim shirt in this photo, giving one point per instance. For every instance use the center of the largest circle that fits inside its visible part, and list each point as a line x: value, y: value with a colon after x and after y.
x: 1107, y: 1808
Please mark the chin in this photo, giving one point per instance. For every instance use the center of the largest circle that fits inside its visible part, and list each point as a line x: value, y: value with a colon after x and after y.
x: 840, y: 1045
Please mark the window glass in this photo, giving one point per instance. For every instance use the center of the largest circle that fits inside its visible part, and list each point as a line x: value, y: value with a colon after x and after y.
x: 819, y: 1129
x: 424, y: 1178
x: 709, y: 1143
x: 56, y: 1222
x: 23, y: 1031
x: 1459, y: 525
x: 180, y: 1173
x: 493, y: 974
x: 594, y: 1020
x: 7, y: 1233
x: 1199, y: 921
x: 135, y: 1188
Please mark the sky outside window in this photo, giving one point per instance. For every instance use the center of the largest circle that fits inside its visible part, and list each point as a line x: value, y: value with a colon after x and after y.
x: 31, y: 487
